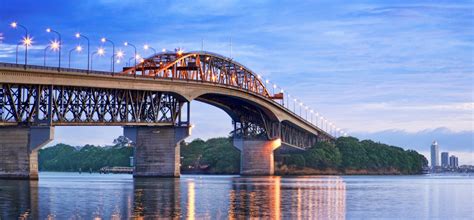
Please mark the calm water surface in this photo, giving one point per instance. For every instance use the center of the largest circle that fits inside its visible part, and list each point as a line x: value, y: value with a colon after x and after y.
x: 89, y: 196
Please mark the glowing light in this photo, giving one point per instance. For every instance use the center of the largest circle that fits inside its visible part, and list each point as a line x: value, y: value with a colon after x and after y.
x: 301, y: 104
x: 120, y: 54
x: 137, y: 56
x: 311, y: 111
x: 101, y: 51
x: 267, y: 81
x: 78, y: 35
x: 27, y: 41
x: 180, y: 52
x: 142, y: 60
x: 294, y: 100
x: 54, y: 45
x: 48, y: 30
x: 125, y: 43
x: 282, y: 91
x: 13, y: 24
x: 103, y: 40
x: 164, y: 50
x: 274, y: 86
x: 78, y: 48
x: 146, y: 46
x: 207, y: 58
x: 118, y: 61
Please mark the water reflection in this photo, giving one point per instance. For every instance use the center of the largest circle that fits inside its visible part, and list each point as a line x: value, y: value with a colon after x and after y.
x: 18, y: 199
x: 190, y: 197
x: 157, y: 198
x: 276, y: 198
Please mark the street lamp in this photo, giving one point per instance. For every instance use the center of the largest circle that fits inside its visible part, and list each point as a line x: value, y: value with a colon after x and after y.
x: 17, y: 45
x: 146, y: 47
x: 79, y: 35
x: 27, y: 41
x: 44, y: 54
x: 78, y: 49
x: 99, y: 52
x: 49, y: 30
x: 103, y: 40
x: 135, y: 48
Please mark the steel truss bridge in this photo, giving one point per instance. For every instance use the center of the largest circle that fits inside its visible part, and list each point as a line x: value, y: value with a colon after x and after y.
x: 157, y: 91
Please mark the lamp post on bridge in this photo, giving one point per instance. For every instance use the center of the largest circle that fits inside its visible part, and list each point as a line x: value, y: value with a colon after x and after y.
x: 44, y: 55
x: 27, y: 41
x: 79, y: 35
x: 146, y: 47
x: 53, y: 46
x: 135, y: 50
x: 99, y: 52
x: 78, y: 49
x: 49, y: 30
x: 16, y: 59
x: 103, y: 40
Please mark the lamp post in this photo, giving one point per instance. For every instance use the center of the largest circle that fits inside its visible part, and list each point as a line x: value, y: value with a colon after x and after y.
x: 146, y: 47
x: 44, y: 55
x: 26, y: 40
x: 135, y: 52
x: 103, y: 40
x: 49, y: 30
x: 16, y: 59
x: 79, y: 35
x: 78, y: 49
x: 99, y: 52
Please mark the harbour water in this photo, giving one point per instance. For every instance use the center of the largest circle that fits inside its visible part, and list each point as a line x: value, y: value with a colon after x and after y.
x: 119, y: 196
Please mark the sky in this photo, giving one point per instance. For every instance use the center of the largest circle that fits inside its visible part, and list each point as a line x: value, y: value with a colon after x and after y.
x: 398, y: 72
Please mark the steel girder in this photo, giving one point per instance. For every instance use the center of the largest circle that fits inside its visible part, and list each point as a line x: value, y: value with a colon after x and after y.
x: 64, y: 105
x: 199, y: 66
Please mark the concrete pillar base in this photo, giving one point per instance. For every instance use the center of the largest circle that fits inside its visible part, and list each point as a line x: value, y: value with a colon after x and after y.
x: 19, y: 151
x: 157, y: 150
x: 256, y: 156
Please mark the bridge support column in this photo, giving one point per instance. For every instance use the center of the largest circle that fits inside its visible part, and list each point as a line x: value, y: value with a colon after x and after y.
x: 19, y: 150
x: 157, y: 150
x: 256, y: 156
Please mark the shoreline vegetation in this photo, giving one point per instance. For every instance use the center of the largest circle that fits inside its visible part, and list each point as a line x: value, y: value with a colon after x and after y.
x: 347, y: 156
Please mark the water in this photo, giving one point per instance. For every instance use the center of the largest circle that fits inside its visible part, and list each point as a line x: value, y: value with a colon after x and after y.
x: 89, y: 196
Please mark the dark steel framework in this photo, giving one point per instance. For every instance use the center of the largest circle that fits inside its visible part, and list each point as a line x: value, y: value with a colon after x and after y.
x: 65, y: 105
x: 200, y: 66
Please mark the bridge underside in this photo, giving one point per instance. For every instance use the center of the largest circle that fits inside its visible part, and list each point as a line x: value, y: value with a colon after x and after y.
x: 156, y: 121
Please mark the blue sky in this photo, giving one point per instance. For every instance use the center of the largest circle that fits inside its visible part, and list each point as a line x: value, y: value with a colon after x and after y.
x: 398, y: 72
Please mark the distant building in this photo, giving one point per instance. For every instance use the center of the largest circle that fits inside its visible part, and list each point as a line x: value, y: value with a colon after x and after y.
x: 453, y: 161
x: 444, y: 159
x: 434, y: 155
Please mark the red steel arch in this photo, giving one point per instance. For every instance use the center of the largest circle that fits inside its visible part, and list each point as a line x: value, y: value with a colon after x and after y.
x: 199, y: 66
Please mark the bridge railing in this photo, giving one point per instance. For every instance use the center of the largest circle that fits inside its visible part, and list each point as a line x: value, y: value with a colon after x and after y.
x: 49, y: 68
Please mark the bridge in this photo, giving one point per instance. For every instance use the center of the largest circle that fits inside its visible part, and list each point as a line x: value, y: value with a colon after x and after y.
x: 152, y: 102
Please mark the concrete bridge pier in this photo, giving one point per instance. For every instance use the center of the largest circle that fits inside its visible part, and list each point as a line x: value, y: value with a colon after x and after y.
x: 19, y: 150
x: 157, y: 150
x: 256, y: 156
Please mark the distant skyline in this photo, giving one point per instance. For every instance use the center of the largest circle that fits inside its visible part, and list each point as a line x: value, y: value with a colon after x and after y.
x: 397, y: 72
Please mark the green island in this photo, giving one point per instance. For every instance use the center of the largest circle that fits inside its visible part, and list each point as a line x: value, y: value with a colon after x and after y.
x: 347, y: 155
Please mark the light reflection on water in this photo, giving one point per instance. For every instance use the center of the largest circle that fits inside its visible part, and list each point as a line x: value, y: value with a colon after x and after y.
x: 95, y: 196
